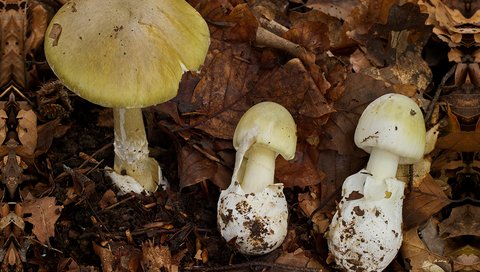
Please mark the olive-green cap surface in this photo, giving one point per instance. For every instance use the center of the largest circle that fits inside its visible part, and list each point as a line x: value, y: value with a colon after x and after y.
x: 124, y: 53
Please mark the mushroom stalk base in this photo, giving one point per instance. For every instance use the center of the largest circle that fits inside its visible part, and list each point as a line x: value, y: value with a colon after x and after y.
x: 131, y: 149
x: 259, y: 169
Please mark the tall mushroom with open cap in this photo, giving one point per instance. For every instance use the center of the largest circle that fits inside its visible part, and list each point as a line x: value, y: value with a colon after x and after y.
x: 252, y: 211
x: 366, y: 232
x: 127, y: 55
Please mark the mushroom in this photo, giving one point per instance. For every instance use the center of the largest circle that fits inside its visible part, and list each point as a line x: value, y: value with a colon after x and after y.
x: 127, y: 55
x: 366, y: 231
x: 252, y: 211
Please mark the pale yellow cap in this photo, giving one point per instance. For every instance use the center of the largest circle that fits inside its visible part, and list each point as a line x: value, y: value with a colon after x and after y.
x: 124, y: 53
x: 270, y: 124
x: 392, y: 122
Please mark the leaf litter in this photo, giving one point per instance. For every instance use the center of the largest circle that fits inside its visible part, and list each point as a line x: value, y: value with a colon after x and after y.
x: 325, y: 61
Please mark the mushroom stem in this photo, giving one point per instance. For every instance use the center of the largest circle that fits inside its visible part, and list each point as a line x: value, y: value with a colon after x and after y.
x: 131, y: 148
x: 382, y: 164
x: 259, y: 169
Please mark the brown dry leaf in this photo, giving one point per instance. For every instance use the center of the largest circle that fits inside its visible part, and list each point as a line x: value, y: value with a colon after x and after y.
x: 217, y: 101
x: 456, y: 139
x: 292, y: 86
x: 27, y: 130
x: 340, y: 9
x: 429, y: 234
x: 39, y: 16
x: 3, y: 127
x: 46, y: 133
x: 108, y: 198
x: 309, y: 202
x: 83, y: 186
x: 422, y: 202
x: 416, y: 172
x: 301, y: 171
x: 404, y: 31
x: 463, y: 220
x: 337, y: 168
x: 461, y: 141
x: 194, y: 167
x: 44, y: 215
x: 299, y: 258
x: 229, y: 21
x: 466, y: 258
x: 67, y: 265
x: 156, y: 258
x: 12, y: 63
x: 117, y: 256
x: 360, y: 90
x: 416, y: 253
x: 313, y: 35
x: 106, y: 257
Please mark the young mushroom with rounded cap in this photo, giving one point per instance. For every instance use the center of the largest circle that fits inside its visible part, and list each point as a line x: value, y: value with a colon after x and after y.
x: 366, y: 232
x: 252, y: 211
x: 127, y: 55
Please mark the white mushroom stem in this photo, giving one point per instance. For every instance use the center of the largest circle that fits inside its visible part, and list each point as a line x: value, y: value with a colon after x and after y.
x: 259, y: 169
x: 131, y: 148
x: 382, y: 164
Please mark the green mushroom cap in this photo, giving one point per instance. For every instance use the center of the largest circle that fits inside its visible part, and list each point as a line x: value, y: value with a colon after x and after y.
x: 123, y: 53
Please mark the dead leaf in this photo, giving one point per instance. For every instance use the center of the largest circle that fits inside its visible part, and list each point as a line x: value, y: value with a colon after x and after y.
x: 299, y: 258
x: 309, y: 202
x: 39, y: 16
x: 44, y: 215
x: 106, y: 257
x: 416, y: 253
x: 337, y: 134
x: 463, y: 220
x: 67, y: 265
x: 46, y: 132
x: 404, y: 31
x: 108, y: 199
x: 195, y: 167
x: 230, y: 21
x: 156, y: 257
x: 218, y: 100
x: 27, y: 130
x: 313, y: 35
x: 422, y: 202
x: 12, y: 63
x: 340, y: 9
x: 301, y: 171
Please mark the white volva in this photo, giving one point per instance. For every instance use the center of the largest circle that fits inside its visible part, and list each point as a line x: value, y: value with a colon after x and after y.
x: 252, y: 211
x: 366, y: 232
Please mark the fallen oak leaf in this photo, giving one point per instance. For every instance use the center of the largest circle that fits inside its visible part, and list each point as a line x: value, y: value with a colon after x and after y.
x: 416, y: 254
x: 43, y: 216
x: 27, y: 130
x: 423, y: 202
x: 299, y: 258
x: 194, y: 167
x: 463, y: 220
x: 155, y: 257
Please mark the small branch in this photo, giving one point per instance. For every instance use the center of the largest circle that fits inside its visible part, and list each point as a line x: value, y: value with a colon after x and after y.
x: 431, y: 106
x: 272, y: 26
x: 250, y: 265
x: 269, y: 39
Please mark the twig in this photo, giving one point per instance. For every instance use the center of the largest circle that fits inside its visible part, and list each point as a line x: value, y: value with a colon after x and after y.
x: 325, y: 202
x: 249, y: 266
x: 118, y: 203
x: 431, y: 106
x: 95, y: 153
x: 269, y: 39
